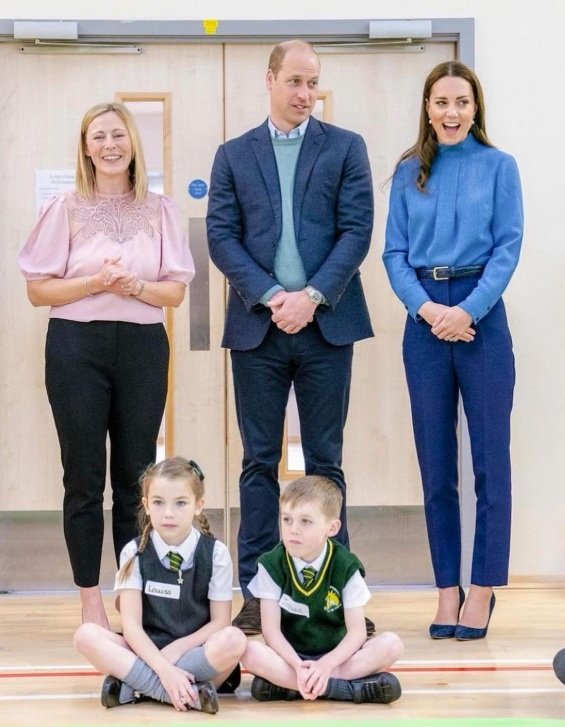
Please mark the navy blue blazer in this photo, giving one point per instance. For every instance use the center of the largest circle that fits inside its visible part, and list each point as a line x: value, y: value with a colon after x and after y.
x: 333, y: 221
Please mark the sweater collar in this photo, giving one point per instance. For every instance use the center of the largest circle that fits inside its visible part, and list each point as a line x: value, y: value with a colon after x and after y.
x: 320, y: 575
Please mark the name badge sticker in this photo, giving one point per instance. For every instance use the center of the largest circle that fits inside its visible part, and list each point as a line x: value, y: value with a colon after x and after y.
x: 298, y: 609
x: 162, y: 590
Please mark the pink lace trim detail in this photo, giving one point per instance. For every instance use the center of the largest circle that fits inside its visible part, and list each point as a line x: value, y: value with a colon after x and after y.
x: 117, y: 218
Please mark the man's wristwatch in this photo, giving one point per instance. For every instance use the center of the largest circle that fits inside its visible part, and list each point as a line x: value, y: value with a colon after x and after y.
x: 314, y: 295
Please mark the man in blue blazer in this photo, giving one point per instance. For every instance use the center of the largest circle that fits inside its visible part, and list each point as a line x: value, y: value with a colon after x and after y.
x: 290, y: 217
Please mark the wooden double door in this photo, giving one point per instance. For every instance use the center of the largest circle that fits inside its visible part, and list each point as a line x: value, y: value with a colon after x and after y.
x: 210, y: 93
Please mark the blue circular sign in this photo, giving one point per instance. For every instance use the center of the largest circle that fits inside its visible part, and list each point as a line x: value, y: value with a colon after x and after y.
x: 197, y: 188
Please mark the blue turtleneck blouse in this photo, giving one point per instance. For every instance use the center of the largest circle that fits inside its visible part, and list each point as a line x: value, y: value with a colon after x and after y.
x: 469, y: 214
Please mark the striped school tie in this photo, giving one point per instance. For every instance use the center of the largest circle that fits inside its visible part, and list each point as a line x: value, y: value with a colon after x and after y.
x: 308, y: 575
x: 175, y: 562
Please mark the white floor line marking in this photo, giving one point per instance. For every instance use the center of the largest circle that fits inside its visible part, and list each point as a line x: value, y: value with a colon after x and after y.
x: 48, y: 697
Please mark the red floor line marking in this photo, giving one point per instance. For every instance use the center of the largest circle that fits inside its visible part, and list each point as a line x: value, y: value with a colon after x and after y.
x: 400, y: 669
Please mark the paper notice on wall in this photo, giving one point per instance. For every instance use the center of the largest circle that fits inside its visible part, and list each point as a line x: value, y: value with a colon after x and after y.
x: 50, y: 182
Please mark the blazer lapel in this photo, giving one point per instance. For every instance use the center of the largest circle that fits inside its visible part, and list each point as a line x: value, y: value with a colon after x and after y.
x: 311, y: 147
x: 263, y: 150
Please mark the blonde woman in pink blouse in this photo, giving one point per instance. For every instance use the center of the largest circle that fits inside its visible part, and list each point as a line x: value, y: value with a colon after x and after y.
x: 107, y: 258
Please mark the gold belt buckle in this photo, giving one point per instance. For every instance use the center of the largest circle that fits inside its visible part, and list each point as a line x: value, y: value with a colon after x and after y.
x: 436, y: 272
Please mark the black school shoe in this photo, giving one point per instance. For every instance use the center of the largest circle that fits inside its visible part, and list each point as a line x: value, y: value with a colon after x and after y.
x: 381, y: 688
x: 207, y: 698
x: 264, y: 691
x: 231, y: 683
x: 248, y: 619
x: 110, y: 695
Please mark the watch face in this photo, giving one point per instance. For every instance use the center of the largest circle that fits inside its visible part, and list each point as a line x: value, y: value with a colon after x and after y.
x: 314, y: 295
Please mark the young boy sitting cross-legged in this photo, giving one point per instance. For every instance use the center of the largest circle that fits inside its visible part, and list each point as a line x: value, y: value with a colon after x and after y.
x: 312, y: 596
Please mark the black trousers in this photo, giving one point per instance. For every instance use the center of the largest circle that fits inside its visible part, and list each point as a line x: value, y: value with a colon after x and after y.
x: 262, y: 377
x: 104, y: 378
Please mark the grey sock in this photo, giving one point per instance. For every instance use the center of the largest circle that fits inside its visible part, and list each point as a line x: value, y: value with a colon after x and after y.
x: 196, y: 663
x: 339, y: 689
x: 142, y: 678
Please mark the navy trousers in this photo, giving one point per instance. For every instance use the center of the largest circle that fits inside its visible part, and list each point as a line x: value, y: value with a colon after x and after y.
x: 483, y: 372
x: 104, y: 378
x: 262, y: 378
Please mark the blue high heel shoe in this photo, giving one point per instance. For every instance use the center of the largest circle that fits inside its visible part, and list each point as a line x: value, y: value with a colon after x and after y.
x: 466, y: 633
x: 447, y: 631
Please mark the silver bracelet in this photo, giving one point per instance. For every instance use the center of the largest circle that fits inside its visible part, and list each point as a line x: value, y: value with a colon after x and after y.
x: 140, y: 290
x: 85, y: 281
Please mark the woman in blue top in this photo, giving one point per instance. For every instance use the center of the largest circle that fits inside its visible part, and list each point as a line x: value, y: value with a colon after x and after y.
x: 453, y: 238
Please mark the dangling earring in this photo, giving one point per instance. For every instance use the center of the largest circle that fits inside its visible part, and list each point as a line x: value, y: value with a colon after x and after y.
x: 429, y: 121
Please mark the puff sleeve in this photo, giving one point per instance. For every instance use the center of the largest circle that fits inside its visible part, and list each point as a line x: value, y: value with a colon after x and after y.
x: 176, y: 259
x: 46, y: 251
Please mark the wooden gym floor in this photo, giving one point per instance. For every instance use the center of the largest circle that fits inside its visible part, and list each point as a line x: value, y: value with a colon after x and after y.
x: 506, y: 677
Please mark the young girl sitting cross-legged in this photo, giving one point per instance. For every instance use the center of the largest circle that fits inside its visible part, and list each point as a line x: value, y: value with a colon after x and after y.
x: 175, y: 588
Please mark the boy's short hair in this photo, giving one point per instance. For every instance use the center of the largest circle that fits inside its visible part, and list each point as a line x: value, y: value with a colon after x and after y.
x: 314, y: 488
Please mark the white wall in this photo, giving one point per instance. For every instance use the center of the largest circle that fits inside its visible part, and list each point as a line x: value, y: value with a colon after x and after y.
x: 519, y: 60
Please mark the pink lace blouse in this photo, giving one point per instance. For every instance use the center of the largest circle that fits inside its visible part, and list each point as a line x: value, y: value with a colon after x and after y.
x: 72, y: 236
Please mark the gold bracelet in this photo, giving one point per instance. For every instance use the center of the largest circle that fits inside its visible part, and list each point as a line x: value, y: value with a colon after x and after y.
x: 85, y: 280
x: 141, y: 289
